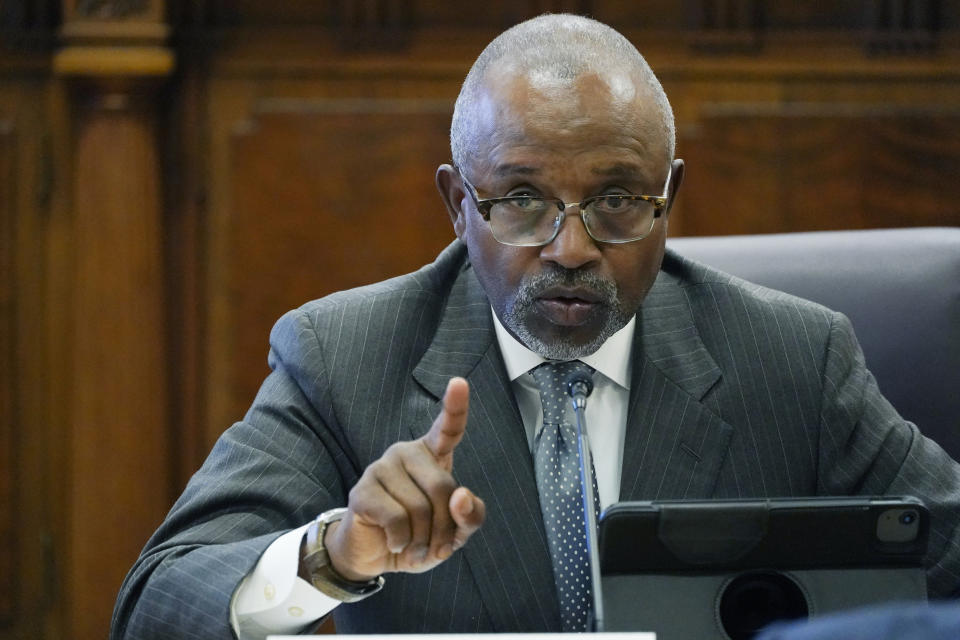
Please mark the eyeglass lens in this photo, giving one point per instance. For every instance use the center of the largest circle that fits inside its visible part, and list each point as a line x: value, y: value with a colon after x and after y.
x: 533, y: 221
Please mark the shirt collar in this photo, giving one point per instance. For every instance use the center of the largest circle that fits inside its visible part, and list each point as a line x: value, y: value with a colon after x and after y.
x: 612, y: 359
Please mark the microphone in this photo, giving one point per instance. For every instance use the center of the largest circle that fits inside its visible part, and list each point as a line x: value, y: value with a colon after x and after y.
x: 580, y: 385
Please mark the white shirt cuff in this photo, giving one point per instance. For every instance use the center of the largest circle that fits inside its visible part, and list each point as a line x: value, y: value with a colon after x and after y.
x: 272, y: 598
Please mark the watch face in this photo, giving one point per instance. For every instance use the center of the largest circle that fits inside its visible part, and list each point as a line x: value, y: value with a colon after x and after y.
x: 317, y: 528
x: 333, y: 515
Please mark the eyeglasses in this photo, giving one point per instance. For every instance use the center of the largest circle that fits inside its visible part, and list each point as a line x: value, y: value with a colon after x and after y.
x: 532, y: 221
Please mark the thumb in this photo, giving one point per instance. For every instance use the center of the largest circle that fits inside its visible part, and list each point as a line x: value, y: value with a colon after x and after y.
x: 468, y: 512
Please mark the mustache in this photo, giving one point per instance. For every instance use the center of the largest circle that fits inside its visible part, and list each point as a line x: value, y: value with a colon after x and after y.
x: 532, y: 286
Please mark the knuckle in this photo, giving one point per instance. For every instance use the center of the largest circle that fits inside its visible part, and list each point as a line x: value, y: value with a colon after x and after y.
x: 395, y: 452
x: 372, y: 472
x: 454, y: 409
x: 361, y: 492
x: 420, y: 510
x: 394, y: 517
x: 439, y: 486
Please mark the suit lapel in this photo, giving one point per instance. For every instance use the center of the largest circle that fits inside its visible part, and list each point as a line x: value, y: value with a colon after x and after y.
x: 508, y: 556
x: 674, y: 444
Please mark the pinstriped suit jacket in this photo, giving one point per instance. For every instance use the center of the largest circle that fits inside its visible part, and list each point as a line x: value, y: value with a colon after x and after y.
x: 737, y: 391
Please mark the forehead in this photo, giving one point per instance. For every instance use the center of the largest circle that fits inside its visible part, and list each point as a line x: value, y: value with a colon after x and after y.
x: 524, y: 117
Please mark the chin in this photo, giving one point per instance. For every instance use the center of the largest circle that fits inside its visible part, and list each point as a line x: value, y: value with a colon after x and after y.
x: 559, y: 342
x: 565, y: 344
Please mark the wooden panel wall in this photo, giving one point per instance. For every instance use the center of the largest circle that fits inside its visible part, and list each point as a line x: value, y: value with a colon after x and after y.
x: 344, y: 218
x: 8, y: 411
x: 818, y: 168
x: 28, y: 442
x: 89, y: 430
x: 155, y: 221
x: 119, y: 384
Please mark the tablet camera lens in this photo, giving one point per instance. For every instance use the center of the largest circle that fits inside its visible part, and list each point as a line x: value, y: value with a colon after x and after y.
x: 900, y: 525
x: 908, y: 517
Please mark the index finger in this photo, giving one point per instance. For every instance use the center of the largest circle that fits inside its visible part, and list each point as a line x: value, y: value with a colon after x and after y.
x: 448, y: 429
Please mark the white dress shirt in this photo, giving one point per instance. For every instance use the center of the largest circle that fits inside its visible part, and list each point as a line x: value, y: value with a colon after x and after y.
x: 272, y: 599
x: 606, y: 411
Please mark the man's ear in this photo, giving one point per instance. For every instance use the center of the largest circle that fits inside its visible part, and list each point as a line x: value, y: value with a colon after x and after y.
x: 676, y: 178
x: 453, y: 194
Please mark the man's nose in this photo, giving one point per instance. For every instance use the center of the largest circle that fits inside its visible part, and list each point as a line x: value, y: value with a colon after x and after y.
x: 573, y: 247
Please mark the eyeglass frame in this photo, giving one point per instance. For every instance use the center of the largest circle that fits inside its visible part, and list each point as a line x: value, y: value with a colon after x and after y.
x: 484, y: 205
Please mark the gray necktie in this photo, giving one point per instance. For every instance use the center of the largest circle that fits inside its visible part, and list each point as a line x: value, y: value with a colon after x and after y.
x: 556, y: 460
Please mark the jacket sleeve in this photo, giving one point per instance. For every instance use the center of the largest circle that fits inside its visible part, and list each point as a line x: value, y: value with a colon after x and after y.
x: 273, y: 471
x: 866, y: 448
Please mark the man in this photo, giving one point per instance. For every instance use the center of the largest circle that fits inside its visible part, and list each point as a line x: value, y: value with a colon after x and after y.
x: 415, y: 404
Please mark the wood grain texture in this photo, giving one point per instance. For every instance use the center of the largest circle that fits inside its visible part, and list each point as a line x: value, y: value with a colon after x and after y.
x: 9, y: 547
x: 118, y: 460
x: 820, y: 168
x: 27, y: 437
x: 110, y: 10
x: 119, y: 449
x: 327, y: 195
x: 176, y: 242
x: 184, y: 256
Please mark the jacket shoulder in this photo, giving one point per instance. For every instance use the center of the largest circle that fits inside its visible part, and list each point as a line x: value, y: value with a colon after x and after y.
x: 431, y: 280
x: 741, y: 322
x: 702, y: 283
x: 358, y: 327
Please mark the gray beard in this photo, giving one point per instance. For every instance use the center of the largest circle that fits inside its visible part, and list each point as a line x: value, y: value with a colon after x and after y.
x: 516, y: 314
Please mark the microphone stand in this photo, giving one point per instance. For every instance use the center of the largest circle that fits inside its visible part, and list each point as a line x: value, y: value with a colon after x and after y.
x: 579, y: 386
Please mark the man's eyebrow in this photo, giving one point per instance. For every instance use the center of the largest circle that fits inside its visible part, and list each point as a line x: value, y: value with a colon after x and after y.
x: 505, y: 170
x: 620, y: 169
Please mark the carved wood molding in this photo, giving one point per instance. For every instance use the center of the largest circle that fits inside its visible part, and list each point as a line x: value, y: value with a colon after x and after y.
x: 114, y: 39
x: 584, y: 7
x: 374, y: 24
x: 111, y: 9
x: 115, y: 22
x: 726, y: 26
x: 28, y: 24
x: 903, y: 26
x: 116, y: 63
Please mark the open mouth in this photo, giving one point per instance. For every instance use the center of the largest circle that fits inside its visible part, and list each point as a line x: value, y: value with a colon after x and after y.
x: 569, y: 308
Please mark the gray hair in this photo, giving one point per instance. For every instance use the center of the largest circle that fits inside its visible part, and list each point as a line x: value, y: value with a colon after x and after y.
x: 562, y: 46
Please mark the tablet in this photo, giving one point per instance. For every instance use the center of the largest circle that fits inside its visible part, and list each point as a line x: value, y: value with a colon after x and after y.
x: 723, y: 569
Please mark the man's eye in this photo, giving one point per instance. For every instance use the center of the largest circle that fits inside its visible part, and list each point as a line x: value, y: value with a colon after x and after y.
x: 618, y: 205
x: 614, y: 203
x: 522, y: 193
x: 526, y: 203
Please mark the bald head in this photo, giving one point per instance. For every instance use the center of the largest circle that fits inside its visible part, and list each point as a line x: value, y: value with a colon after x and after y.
x: 553, y: 49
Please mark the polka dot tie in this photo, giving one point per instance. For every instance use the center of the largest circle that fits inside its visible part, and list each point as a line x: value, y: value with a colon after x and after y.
x: 556, y: 461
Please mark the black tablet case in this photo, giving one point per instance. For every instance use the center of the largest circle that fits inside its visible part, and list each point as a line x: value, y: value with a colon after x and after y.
x: 675, y: 567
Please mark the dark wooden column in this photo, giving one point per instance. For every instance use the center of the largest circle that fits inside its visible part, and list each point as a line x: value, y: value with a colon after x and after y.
x: 8, y: 338
x: 117, y: 457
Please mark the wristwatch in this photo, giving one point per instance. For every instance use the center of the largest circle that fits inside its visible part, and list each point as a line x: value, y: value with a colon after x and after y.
x: 316, y: 562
